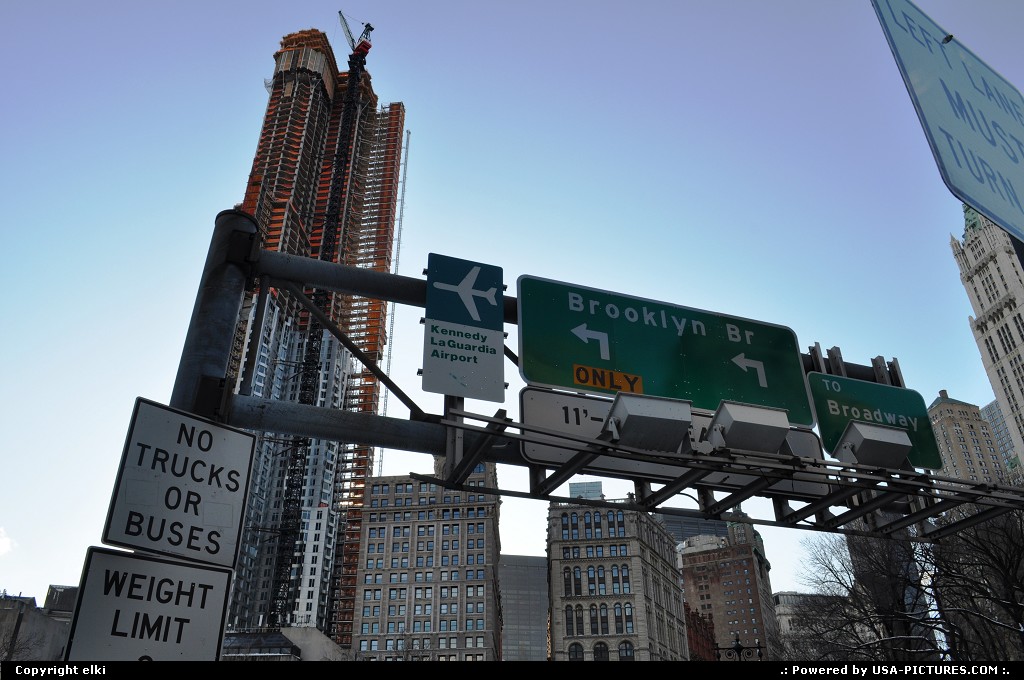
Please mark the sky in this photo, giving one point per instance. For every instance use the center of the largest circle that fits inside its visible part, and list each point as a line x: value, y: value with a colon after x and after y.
x: 756, y: 159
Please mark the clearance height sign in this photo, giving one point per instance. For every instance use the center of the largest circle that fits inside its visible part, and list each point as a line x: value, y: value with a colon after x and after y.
x: 146, y: 608
x: 181, y: 487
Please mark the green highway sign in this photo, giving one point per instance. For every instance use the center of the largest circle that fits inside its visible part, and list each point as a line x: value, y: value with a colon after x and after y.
x: 838, y: 400
x: 596, y: 341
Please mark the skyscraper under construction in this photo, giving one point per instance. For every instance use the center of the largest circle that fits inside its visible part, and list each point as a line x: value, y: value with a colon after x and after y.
x: 326, y: 184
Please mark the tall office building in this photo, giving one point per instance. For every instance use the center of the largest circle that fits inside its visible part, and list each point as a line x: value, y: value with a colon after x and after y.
x: 990, y: 269
x: 523, y: 581
x: 966, y: 442
x: 727, y: 577
x: 1004, y: 443
x: 614, y: 588
x: 325, y: 184
x: 683, y: 528
x: 428, y: 572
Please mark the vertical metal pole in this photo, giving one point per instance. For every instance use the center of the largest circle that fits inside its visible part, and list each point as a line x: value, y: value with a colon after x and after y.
x: 207, y: 350
x: 453, y: 436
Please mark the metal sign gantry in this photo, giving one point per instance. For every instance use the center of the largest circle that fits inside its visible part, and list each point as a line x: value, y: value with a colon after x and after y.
x: 848, y: 497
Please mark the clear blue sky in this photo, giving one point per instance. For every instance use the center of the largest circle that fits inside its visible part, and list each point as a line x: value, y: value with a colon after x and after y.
x: 758, y: 159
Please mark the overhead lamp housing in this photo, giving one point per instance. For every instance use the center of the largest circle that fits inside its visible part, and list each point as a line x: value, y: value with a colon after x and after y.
x: 870, y: 444
x: 651, y: 423
x: 749, y: 427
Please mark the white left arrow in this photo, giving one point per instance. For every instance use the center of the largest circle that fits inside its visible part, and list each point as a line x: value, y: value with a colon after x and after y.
x: 743, y: 362
x: 585, y: 335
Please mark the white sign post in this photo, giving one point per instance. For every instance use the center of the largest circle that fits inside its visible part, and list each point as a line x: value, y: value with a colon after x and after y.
x: 972, y: 117
x: 181, y: 486
x: 142, y: 608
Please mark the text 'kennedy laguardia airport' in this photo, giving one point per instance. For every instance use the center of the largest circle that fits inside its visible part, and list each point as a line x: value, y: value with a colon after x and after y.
x: 457, y: 345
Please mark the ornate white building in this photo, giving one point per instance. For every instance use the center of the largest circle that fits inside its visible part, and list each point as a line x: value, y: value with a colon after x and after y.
x: 990, y: 269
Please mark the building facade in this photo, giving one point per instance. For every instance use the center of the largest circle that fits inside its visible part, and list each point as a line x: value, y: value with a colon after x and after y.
x: 1004, y: 442
x: 31, y: 633
x: 989, y: 260
x: 324, y: 184
x: 700, y: 634
x: 802, y: 617
x: 683, y: 528
x: 523, y: 582
x: 428, y: 572
x: 966, y: 442
x: 614, y: 588
x: 727, y: 577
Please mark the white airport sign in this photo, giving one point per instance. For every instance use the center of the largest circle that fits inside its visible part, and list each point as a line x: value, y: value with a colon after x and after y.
x: 144, y: 608
x: 181, y: 487
x: 464, y: 337
x: 972, y: 117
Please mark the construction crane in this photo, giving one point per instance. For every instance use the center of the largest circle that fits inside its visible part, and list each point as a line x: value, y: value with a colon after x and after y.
x: 362, y: 46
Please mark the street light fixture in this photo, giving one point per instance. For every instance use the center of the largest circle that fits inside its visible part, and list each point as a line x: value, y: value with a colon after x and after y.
x: 738, y: 652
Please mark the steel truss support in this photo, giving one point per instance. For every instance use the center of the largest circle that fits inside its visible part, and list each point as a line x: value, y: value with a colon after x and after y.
x: 846, y: 497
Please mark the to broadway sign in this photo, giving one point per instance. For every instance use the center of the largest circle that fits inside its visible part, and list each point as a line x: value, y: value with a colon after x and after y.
x: 595, y: 341
x: 972, y: 117
x: 838, y: 400
x: 181, y: 487
x: 144, y: 608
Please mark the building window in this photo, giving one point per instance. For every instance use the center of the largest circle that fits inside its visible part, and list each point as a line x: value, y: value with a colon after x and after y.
x: 626, y: 651
x: 575, y: 652
x: 600, y: 652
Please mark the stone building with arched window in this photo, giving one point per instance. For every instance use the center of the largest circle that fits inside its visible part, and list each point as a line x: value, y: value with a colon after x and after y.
x: 613, y: 585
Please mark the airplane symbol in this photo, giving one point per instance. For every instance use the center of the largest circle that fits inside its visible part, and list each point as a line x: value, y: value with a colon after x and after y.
x: 467, y: 292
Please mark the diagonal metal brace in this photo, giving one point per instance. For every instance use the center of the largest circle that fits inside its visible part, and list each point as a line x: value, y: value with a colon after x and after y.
x: 415, y: 411
x: 582, y: 459
x: 684, y: 481
x: 479, y: 449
